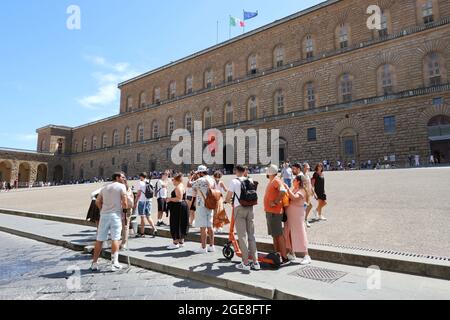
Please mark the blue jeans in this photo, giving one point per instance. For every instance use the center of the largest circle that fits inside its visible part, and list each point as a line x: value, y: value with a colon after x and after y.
x: 288, y: 182
x: 144, y: 208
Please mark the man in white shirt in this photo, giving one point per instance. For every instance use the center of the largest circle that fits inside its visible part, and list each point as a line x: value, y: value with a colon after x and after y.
x: 245, y: 222
x: 111, y: 201
x: 203, y: 217
x: 286, y: 172
x: 144, y: 205
x: 161, y: 195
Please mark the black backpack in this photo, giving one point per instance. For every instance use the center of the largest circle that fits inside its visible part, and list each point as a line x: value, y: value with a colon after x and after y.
x: 249, y: 195
x: 149, y: 191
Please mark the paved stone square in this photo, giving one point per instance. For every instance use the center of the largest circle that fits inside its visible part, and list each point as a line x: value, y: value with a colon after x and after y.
x: 405, y: 210
x: 31, y: 270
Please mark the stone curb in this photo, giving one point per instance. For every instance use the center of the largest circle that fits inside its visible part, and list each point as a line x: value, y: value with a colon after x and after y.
x: 359, y: 258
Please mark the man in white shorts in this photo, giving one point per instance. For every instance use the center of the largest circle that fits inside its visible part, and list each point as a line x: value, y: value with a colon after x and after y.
x: 111, y: 201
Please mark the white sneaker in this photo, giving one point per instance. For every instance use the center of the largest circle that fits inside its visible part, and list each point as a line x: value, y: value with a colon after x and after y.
x: 201, y: 251
x: 116, y: 267
x: 322, y: 218
x: 316, y: 215
x: 124, y: 247
x: 308, y: 225
x: 256, y: 266
x: 173, y: 246
x: 243, y: 267
x: 211, y: 249
x: 306, y: 260
x: 291, y: 257
x: 94, y: 266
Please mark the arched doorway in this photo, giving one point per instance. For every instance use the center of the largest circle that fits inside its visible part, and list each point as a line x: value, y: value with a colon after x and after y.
x: 101, y: 172
x: 5, y: 171
x: 348, y: 142
x: 58, y: 174
x: 124, y: 168
x: 81, y: 175
x: 228, y: 165
x: 283, y: 150
x: 439, y: 136
x: 41, y: 173
x: 152, y: 163
x: 24, y: 174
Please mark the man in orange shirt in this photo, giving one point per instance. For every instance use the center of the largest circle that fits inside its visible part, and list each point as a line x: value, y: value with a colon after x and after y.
x: 274, y: 210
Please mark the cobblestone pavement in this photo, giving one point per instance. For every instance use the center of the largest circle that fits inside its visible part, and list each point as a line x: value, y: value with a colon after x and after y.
x: 31, y: 270
x: 404, y: 210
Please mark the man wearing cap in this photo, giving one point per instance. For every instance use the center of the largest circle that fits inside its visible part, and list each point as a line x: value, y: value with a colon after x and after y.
x: 203, y: 219
x: 274, y: 210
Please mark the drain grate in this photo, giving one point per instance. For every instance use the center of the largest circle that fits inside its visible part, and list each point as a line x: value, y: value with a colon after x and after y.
x: 319, y: 274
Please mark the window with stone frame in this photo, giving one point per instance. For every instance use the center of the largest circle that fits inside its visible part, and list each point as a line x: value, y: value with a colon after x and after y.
x: 85, y: 144
x: 346, y: 88
x: 386, y: 79
x: 383, y: 32
x: 207, y: 118
x: 170, y: 126
x: 343, y: 34
x: 127, y: 136
x: 115, y: 138
x: 252, y: 108
x: 189, y: 84
x: 138, y: 157
x: 433, y: 69
x: 104, y: 141
x: 252, y: 64
x: 188, y: 122
x: 229, y: 72
x: 157, y: 97
x: 60, y: 146
x: 155, y: 130
x: 142, y: 100
x: 309, y: 46
x: 140, y: 133
x: 94, y: 143
x: 427, y: 11
x: 208, y: 79
x: 279, y: 102
x: 172, y: 90
x: 129, y: 103
x: 279, y: 56
x: 389, y: 124
x: 312, y: 134
x: 229, y: 119
x: 310, y: 94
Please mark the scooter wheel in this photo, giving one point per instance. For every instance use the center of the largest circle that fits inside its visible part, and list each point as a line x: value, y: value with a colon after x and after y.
x: 228, y: 252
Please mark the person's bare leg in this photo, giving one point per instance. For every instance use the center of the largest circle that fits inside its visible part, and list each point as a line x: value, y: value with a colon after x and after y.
x: 191, y: 217
x: 160, y: 215
x: 211, y: 236
x: 97, y: 250
x: 282, y: 246
x: 203, y: 235
x: 308, y: 211
x: 115, y: 246
x: 151, y: 223
x: 142, y: 225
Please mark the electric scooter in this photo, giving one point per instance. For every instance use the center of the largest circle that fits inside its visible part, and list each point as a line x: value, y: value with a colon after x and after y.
x: 232, y: 248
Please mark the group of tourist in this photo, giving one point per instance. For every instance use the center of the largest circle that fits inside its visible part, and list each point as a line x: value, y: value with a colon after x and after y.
x: 201, y: 202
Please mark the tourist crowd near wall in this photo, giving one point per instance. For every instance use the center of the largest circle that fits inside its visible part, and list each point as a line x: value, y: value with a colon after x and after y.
x: 334, y: 88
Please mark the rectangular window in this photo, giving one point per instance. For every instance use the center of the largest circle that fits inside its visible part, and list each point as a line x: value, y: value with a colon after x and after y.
x: 312, y: 134
x: 427, y: 12
x: 168, y: 153
x: 113, y: 161
x: 349, y: 147
x: 138, y: 157
x: 157, y: 96
x: 92, y: 163
x: 435, y: 81
x: 389, y: 124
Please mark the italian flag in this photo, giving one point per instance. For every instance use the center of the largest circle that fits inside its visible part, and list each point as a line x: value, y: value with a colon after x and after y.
x: 234, y: 22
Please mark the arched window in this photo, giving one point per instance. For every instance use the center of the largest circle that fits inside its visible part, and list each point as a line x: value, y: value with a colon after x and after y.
x: 229, y: 113
x: 433, y: 69
x: 127, y: 136
x: 157, y: 96
x: 75, y: 146
x: 309, y: 47
x: 188, y: 121
x: 104, y: 141
x: 42, y: 145
x: 385, y: 79
x: 208, y: 79
x: 346, y: 88
x: 115, y: 138
x: 189, y: 84
x: 229, y: 72
x: 427, y: 11
x: 252, y: 107
x: 310, y: 94
x: 140, y: 132
x: 142, y: 100
x: 129, y: 103
x: 279, y: 102
x: 207, y: 118
x: 155, y: 130
x: 94, y: 143
x: 343, y: 36
x: 278, y: 56
x: 85, y: 145
x: 172, y: 90
x: 252, y: 64
x: 170, y: 126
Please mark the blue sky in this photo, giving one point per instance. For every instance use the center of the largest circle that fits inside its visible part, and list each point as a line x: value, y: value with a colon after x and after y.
x: 53, y: 75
